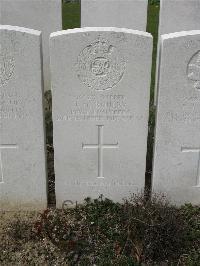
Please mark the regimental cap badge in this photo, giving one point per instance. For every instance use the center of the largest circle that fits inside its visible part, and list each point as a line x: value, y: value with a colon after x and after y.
x: 100, y: 65
x: 193, y: 70
x: 7, y: 65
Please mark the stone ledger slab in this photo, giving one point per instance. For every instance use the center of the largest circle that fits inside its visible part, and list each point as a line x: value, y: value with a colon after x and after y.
x: 177, y: 142
x: 100, y: 85
x: 175, y: 16
x: 22, y: 153
x: 114, y: 13
x: 42, y: 15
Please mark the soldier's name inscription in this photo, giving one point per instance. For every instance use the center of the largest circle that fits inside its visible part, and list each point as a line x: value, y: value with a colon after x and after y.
x: 12, y: 106
x: 97, y: 107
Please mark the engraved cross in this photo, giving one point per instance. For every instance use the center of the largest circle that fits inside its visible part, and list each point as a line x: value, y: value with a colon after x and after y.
x: 2, y: 147
x: 198, y: 168
x: 100, y: 147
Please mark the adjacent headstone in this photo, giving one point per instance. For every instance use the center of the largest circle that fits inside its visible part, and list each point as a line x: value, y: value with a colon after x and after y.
x: 42, y: 15
x: 22, y: 153
x: 100, y: 86
x: 177, y: 15
x: 114, y: 13
x: 176, y: 170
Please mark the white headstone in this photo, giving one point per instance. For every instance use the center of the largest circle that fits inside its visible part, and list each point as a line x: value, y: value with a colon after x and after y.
x: 130, y: 14
x: 177, y: 15
x: 176, y: 170
x: 42, y: 15
x: 100, y: 86
x: 22, y: 153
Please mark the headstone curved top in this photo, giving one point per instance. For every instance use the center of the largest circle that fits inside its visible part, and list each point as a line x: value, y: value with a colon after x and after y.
x: 114, y: 13
x: 176, y: 170
x: 175, y: 16
x: 42, y: 15
x: 22, y: 153
x: 100, y: 86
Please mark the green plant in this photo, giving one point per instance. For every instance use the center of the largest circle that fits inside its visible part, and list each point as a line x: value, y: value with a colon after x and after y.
x: 153, y: 2
x: 155, y: 228
x: 101, y: 232
x: 48, y: 117
x: 137, y: 231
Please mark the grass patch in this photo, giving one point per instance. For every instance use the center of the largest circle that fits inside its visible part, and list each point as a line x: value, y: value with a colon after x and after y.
x: 71, y: 15
x: 100, y: 232
x: 152, y: 27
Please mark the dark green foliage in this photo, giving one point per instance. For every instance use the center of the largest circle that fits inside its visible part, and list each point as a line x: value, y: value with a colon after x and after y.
x: 48, y: 117
x: 152, y: 27
x: 86, y: 233
x: 20, y: 230
x: 192, y: 216
x: 101, y: 232
x: 154, y: 2
x: 150, y: 142
x: 71, y: 15
x: 156, y: 228
x: 107, y: 233
x: 49, y: 147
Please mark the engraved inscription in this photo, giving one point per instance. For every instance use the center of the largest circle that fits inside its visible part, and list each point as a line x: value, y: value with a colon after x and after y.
x: 100, y: 146
x: 111, y: 107
x: 4, y: 146
x: 197, y: 150
x: 189, y: 112
x: 100, y: 65
x: 193, y: 70
x: 12, y: 105
x: 7, y: 65
x: 100, y: 183
x: 185, y: 117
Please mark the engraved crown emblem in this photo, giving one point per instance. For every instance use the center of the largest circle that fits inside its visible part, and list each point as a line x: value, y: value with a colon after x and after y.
x: 7, y: 65
x: 100, y: 65
x: 101, y: 47
x: 193, y: 70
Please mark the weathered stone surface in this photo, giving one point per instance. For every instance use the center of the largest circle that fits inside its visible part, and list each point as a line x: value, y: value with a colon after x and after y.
x: 22, y: 154
x: 100, y: 86
x: 114, y: 13
x: 177, y: 15
x: 176, y: 169
x: 42, y: 15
